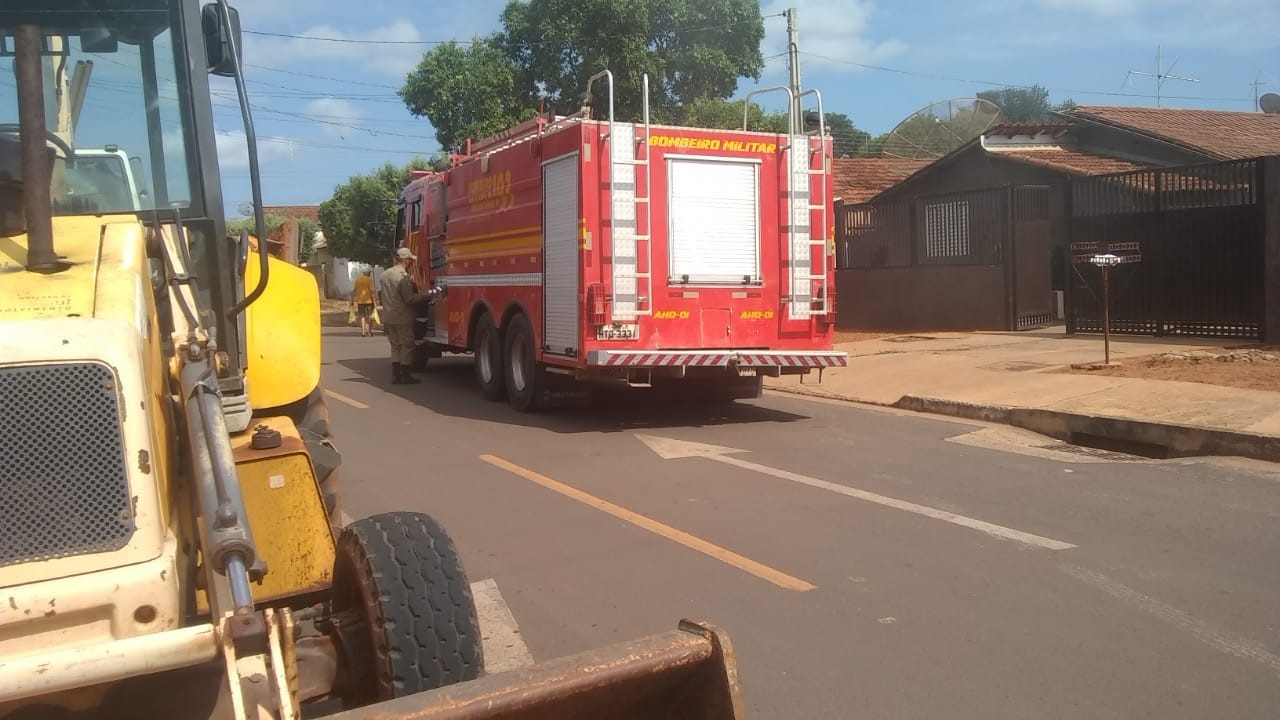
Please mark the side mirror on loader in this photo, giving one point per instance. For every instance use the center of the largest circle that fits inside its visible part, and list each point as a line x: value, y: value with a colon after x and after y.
x: 217, y: 43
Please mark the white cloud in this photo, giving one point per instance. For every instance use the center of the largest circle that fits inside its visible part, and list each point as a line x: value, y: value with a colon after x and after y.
x: 837, y: 30
x: 337, y: 117
x: 233, y: 153
x: 394, y: 59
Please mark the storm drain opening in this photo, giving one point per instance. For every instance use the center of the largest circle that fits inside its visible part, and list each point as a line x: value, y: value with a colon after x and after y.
x: 1151, y: 451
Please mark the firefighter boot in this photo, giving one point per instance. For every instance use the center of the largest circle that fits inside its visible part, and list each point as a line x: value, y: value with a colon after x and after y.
x: 407, y: 378
x: 395, y: 374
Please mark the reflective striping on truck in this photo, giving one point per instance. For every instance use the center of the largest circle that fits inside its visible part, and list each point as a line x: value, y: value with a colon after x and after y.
x: 624, y: 358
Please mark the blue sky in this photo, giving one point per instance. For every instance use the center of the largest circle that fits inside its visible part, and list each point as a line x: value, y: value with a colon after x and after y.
x: 314, y: 132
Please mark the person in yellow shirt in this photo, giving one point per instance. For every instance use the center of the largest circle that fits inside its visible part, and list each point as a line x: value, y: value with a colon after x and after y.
x: 362, y: 299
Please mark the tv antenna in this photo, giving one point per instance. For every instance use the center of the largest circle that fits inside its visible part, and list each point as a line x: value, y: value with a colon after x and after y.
x: 1257, y: 83
x: 1161, y: 74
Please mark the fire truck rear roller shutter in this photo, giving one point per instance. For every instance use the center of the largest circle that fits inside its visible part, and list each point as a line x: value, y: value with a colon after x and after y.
x: 714, y: 221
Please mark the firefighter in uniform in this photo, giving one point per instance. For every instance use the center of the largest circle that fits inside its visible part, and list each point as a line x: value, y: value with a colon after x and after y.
x: 398, y: 298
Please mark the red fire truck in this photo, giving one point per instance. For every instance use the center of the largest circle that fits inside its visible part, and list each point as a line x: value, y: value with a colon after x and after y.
x: 576, y: 248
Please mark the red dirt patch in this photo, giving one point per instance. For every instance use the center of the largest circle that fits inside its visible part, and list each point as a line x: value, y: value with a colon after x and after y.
x: 1252, y: 368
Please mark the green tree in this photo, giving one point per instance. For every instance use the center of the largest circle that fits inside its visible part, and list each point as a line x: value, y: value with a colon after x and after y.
x: 306, y: 229
x: 359, y: 220
x: 847, y: 139
x: 727, y: 115
x: 691, y: 49
x: 1024, y: 104
x: 874, y: 146
x: 466, y: 92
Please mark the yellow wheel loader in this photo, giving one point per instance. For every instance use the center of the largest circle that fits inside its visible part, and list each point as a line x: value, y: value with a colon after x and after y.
x: 168, y: 484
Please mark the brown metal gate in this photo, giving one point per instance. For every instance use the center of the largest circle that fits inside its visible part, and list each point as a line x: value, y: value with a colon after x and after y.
x: 1032, y: 262
x: 1199, y: 230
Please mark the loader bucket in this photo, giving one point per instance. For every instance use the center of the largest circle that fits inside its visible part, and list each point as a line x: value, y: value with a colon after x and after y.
x: 685, y: 674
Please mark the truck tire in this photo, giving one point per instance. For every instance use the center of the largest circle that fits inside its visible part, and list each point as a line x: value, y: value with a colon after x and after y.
x: 403, y: 614
x: 524, y: 377
x: 311, y: 416
x: 490, y: 373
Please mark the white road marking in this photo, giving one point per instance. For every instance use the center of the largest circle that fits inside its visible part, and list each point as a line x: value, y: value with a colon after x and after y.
x: 671, y: 449
x: 1220, y: 640
x: 504, y: 647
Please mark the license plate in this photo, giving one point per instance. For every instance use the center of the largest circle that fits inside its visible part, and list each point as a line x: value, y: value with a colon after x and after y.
x: 618, y: 331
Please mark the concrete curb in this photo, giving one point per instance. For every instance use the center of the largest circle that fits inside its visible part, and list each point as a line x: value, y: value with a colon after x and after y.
x: 333, y: 318
x: 1173, y: 439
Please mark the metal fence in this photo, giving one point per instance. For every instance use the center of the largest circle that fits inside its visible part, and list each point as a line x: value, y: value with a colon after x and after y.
x: 1199, y: 231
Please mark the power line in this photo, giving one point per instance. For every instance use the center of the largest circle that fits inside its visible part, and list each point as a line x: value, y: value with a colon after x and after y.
x: 329, y: 146
x: 615, y: 36
x: 992, y: 83
x: 320, y: 77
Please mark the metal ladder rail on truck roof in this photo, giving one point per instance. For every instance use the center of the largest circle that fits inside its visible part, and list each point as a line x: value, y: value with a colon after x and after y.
x: 632, y: 286
x: 799, y: 195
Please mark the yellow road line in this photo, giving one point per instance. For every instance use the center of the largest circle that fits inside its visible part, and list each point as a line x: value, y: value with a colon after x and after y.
x: 728, y: 557
x: 344, y: 399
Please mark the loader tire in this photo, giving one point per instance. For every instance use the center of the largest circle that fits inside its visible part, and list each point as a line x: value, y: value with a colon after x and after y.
x: 399, y: 574
x: 524, y: 376
x: 311, y: 416
x: 490, y: 373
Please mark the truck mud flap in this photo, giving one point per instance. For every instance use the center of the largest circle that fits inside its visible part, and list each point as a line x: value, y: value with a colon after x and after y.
x: 689, y: 673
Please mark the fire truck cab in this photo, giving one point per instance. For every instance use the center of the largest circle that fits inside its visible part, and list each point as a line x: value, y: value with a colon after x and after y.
x: 578, y: 248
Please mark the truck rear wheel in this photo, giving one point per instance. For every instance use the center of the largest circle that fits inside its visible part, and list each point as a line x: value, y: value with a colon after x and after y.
x: 524, y: 377
x: 490, y: 373
x: 402, y: 613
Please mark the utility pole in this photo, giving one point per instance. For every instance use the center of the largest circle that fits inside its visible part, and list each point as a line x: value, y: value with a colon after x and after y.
x: 793, y: 60
x: 1161, y: 74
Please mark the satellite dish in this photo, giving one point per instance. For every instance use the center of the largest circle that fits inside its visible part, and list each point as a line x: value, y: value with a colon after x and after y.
x: 1270, y: 104
x: 940, y: 128
x: 245, y: 208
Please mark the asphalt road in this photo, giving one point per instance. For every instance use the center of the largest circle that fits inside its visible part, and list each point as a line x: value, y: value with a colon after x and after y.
x: 866, y: 563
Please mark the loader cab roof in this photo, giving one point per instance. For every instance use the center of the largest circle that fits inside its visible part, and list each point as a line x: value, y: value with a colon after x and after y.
x: 117, y: 73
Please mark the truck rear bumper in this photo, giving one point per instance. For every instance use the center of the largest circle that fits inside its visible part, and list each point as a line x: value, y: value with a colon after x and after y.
x: 718, y: 358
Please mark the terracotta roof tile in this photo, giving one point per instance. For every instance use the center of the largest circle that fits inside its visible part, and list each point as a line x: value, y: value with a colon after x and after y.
x: 1221, y: 134
x: 857, y: 180
x: 1009, y: 129
x: 1068, y: 160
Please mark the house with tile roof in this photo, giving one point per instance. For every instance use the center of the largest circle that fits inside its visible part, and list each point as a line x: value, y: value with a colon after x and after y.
x: 1085, y: 141
x: 979, y: 239
x: 1175, y: 136
x: 858, y: 179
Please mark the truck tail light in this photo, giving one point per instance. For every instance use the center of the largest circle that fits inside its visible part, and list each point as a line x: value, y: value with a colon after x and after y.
x: 597, y: 305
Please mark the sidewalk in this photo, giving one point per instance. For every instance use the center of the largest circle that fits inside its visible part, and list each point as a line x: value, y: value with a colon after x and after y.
x: 1002, y: 376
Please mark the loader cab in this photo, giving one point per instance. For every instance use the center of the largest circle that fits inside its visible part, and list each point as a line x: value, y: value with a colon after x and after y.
x: 124, y: 89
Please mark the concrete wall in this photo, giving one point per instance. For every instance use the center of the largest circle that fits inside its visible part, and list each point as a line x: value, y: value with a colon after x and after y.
x: 956, y: 297
x: 336, y: 277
